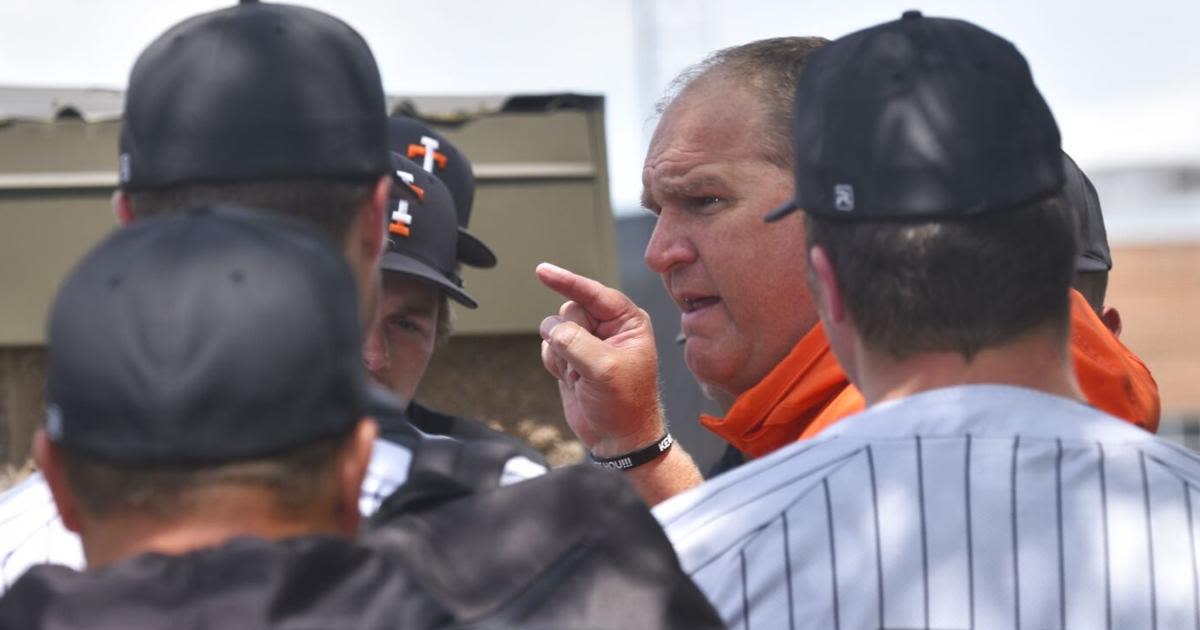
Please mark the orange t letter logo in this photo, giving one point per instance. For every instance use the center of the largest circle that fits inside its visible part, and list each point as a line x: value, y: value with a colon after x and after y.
x: 428, y: 149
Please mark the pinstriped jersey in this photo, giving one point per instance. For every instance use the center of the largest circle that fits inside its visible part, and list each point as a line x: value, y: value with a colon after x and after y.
x: 31, y: 532
x: 979, y: 506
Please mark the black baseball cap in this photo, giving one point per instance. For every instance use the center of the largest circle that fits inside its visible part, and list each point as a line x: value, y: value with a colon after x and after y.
x: 1092, y: 238
x: 254, y: 91
x: 216, y: 334
x: 417, y: 141
x: 919, y: 119
x: 422, y: 232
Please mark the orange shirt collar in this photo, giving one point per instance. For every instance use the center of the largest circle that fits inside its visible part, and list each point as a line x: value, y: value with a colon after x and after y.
x: 785, y: 404
x: 1112, y: 378
x: 808, y: 391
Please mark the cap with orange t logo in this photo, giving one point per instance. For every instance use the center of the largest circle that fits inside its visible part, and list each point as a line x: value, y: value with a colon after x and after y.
x: 423, y: 234
x: 417, y: 141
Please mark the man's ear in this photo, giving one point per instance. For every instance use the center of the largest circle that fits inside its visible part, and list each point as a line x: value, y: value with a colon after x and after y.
x: 1112, y: 319
x: 49, y: 460
x: 825, y: 285
x: 352, y: 469
x: 831, y: 305
x: 121, y: 207
x: 376, y: 354
x: 373, y: 217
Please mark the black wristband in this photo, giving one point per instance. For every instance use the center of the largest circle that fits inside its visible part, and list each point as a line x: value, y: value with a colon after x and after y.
x: 638, y: 457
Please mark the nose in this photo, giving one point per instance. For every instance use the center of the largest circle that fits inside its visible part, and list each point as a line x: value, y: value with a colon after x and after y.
x: 375, y: 352
x: 669, y: 245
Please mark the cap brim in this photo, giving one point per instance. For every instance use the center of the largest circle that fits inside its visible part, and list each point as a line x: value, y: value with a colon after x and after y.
x: 1087, y: 262
x: 395, y: 261
x: 473, y: 252
x: 781, y: 211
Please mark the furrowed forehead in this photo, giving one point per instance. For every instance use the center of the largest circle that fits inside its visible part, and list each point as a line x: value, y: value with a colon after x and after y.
x: 692, y: 183
x: 708, y: 126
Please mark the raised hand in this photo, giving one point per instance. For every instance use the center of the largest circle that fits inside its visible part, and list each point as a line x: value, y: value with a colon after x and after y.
x: 600, y: 347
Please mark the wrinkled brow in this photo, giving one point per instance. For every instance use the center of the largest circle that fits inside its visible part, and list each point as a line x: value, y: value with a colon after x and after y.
x: 682, y: 187
x: 647, y: 199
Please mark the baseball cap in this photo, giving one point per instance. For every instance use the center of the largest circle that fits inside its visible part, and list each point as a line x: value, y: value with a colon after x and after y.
x: 418, y: 142
x: 919, y: 119
x: 422, y: 231
x: 215, y: 334
x: 253, y: 91
x: 1092, y: 242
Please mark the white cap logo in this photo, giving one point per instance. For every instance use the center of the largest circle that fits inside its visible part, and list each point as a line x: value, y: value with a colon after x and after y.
x: 125, y: 169
x: 843, y: 197
x: 401, y: 220
x: 54, y: 422
x: 431, y: 147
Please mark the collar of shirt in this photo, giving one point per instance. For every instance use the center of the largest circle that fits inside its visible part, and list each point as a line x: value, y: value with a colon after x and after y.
x: 987, y: 410
x: 804, y: 394
x: 808, y: 392
x: 1112, y: 378
x: 981, y: 411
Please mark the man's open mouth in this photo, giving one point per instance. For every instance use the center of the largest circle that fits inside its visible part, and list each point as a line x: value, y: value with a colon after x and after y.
x: 697, y: 303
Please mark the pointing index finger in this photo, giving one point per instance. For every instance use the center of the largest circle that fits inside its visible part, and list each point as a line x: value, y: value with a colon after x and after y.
x: 601, y: 303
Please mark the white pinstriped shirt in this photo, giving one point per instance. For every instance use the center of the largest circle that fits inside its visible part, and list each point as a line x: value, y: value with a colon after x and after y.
x: 31, y: 532
x: 980, y: 506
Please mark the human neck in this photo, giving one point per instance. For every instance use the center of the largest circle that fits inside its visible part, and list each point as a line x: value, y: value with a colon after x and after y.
x: 120, y: 536
x: 1037, y: 360
x: 723, y: 399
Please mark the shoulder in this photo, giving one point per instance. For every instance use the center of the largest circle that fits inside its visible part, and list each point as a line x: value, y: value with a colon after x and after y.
x: 225, y: 586
x: 987, y: 410
x: 730, y: 507
x: 462, y: 428
x: 567, y: 544
x: 31, y: 532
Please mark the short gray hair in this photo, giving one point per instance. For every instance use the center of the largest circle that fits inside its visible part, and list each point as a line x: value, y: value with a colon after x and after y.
x: 769, y: 67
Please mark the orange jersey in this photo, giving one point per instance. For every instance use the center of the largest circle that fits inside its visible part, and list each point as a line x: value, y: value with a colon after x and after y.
x: 808, y: 391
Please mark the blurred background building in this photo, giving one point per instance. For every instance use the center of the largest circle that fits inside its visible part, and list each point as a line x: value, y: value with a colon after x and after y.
x: 1153, y: 218
x: 541, y: 194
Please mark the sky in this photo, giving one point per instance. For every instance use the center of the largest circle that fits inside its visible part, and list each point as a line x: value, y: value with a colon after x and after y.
x: 1123, y: 79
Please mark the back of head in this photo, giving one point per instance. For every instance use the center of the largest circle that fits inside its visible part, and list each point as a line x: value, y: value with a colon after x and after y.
x: 930, y: 170
x: 266, y: 105
x: 1094, y: 259
x: 189, y: 346
x: 952, y: 285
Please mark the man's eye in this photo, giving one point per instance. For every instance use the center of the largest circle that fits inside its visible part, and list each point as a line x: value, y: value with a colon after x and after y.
x: 705, y: 202
x: 403, y: 323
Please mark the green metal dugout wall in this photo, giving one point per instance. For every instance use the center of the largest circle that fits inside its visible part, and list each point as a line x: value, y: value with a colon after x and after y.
x: 542, y: 194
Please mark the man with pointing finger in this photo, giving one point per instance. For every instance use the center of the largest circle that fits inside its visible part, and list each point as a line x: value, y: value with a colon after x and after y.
x: 600, y: 347
x: 721, y: 159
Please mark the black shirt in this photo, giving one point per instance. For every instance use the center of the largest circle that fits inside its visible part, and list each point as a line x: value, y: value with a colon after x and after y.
x: 466, y: 429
